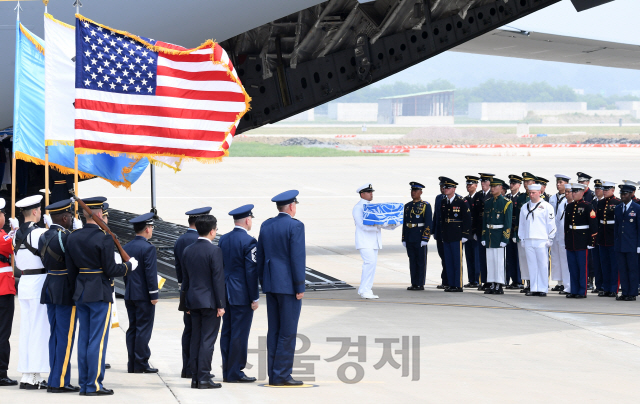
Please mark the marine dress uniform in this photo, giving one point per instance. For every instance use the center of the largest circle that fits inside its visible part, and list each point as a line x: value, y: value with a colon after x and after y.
x: 141, y: 288
x: 496, y: 232
x: 57, y: 294
x: 281, y: 261
x: 513, y: 279
x: 557, y: 252
x: 454, y: 228
x: 580, y: 230
x: 595, y: 277
x: 416, y: 232
x: 536, y: 230
x: 89, y: 257
x: 476, y: 231
x: 184, y: 241
x: 34, y: 323
x: 470, y: 247
x: 588, y: 193
x: 239, y: 251
x: 7, y: 301
x: 605, y: 215
x: 627, y: 245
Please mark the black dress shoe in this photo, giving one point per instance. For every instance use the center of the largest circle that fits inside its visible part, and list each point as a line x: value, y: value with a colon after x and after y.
x: 411, y: 287
x: 107, y: 366
x: 102, y: 392
x: 38, y: 386
x: 452, y: 289
x: 420, y: 287
x: 488, y: 291
x: 23, y: 385
x: 471, y: 285
x: 570, y: 296
x: 243, y: 379
x: 531, y: 294
x: 194, y: 384
x: 612, y: 294
x: 580, y: 296
x: 5, y: 381
x: 524, y: 290
x: 65, y: 389
x: 498, y: 291
x: 292, y: 382
x: 209, y: 384
x: 147, y: 370
x: 557, y: 288
x: 441, y: 287
x: 542, y: 294
x: 630, y: 299
x: 602, y: 294
x: 621, y: 298
x: 562, y: 292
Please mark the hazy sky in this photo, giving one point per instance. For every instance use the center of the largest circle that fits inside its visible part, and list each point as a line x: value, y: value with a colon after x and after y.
x: 616, y: 21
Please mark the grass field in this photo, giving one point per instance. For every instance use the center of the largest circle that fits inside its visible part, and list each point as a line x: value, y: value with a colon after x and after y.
x: 254, y: 149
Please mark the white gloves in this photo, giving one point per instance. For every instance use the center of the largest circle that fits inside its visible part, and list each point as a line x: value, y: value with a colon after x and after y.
x: 638, y: 250
x: 73, y: 200
x: 13, y: 222
x: 423, y: 243
x: 482, y: 242
x: 464, y: 240
x: 47, y: 220
x: 475, y: 237
x: 515, y: 240
x: 549, y: 243
x: 589, y: 247
x: 503, y: 245
x: 404, y: 244
x: 77, y: 224
x: 134, y: 263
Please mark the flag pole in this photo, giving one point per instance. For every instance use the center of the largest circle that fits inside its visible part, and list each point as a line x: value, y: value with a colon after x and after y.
x: 46, y: 177
x: 153, y: 190
x: 75, y: 179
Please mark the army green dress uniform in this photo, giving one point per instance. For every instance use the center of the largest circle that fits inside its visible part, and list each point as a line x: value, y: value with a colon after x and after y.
x: 476, y: 231
x: 416, y: 232
x: 496, y: 232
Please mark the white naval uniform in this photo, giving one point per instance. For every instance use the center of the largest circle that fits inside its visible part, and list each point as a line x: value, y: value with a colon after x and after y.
x: 368, y: 242
x: 33, y: 351
x: 535, y: 229
x: 559, y: 264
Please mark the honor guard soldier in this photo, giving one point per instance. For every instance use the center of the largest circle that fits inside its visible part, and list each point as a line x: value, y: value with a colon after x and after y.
x: 416, y: 232
x: 181, y: 243
x: 528, y: 179
x: 605, y: 214
x: 632, y: 184
x: 580, y: 230
x: 496, y: 232
x: 60, y: 184
x: 598, y: 191
x: 141, y: 295
x: 471, y: 246
x: 90, y: 259
x: 57, y: 294
x: 241, y: 282
x: 627, y: 242
x: 543, y: 183
x: 368, y: 242
x: 557, y: 252
x: 594, y: 262
x: 7, y: 299
x: 476, y: 227
x: 203, y: 285
x: 281, y: 262
x: 584, y: 179
x: 512, y: 264
x: 436, y: 235
x: 34, y: 324
x: 454, y: 227
x: 536, y: 230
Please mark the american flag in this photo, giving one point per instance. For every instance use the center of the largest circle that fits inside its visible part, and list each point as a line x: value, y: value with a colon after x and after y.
x: 149, y: 98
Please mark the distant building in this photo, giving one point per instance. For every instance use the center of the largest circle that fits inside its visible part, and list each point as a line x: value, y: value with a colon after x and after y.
x: 353, y: 112
x: 633, y: 106
x: 427, y: 108
x: 515, y: 111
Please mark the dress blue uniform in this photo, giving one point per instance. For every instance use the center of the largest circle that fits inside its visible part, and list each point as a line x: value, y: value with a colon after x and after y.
x: 90, y: 258
x: 57, y: 294
x: 416, y: 232
x: 436, y: 236
x: 627, y: 244
x: 281, y: 261
x: 203, y: 286
x: 141, y: 287
x: 470, y: 248
x: 183, y: 242
x: 609, y: 267
x: 241, y: 282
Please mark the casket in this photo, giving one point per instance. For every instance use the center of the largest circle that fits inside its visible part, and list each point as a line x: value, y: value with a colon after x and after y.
x: 383, y: 214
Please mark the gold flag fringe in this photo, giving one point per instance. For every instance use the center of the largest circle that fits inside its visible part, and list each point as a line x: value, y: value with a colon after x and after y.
x: 64, y: 24
x: 52, y: 142
x: 159, y: 163
x: 150, y: 156
x: 39, y: 47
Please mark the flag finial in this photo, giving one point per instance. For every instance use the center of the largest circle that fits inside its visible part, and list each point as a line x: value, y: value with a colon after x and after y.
x: 77, y: 4
x: 18, y: 9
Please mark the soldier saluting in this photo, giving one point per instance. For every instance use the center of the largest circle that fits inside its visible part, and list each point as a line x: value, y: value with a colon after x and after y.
x: 496, y: 231
x: 416, y: 232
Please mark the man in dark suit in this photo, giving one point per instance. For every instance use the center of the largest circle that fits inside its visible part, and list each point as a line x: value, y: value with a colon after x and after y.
x: 627, y: 242
x: 281, y: 264
x: 57, y: 294
x: 141, y: 295
x: 183, y: 242
x: 203, y: 285
x: 90, y: 259
x: 241, y: 281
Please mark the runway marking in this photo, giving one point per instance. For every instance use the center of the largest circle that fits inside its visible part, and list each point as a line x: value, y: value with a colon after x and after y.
x: 475, y: 306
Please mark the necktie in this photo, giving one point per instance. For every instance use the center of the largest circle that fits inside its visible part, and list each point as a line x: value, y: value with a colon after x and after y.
x: 624, y: 210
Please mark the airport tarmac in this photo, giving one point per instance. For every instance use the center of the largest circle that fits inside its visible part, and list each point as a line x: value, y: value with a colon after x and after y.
x: 472, y: 347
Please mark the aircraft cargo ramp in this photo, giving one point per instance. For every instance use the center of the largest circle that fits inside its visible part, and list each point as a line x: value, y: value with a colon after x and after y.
x: 164, y: 237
